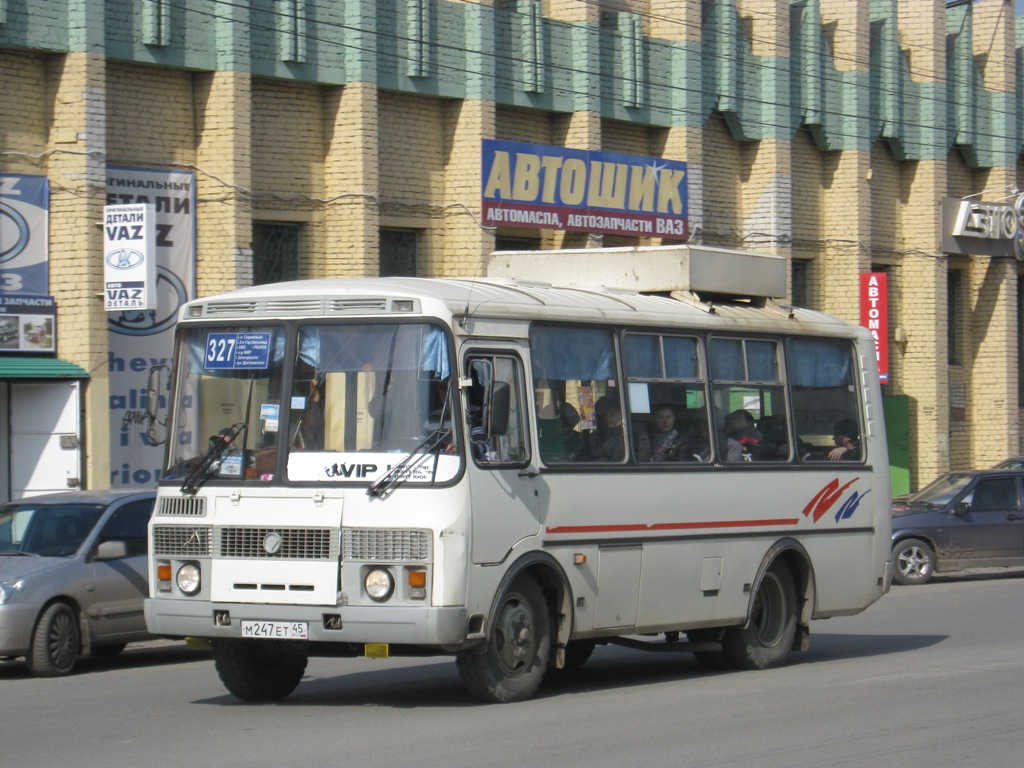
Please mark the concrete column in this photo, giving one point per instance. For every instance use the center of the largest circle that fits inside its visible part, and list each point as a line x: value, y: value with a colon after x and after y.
x: 352, y: 183
x: 466, y: 242
x: 991, y: 284
x: 223, y: 190
x: 680, y: 22
x: 77, y: 172
x: 923, y: 267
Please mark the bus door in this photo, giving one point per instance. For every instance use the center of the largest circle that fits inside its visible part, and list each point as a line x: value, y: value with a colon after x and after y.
x: 501, y: 487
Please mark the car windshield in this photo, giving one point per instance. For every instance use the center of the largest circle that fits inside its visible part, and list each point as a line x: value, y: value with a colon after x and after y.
x: 47, y: 530
x: 941, y: 491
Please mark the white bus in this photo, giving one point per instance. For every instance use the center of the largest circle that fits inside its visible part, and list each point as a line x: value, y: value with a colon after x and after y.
x: 513, y: 472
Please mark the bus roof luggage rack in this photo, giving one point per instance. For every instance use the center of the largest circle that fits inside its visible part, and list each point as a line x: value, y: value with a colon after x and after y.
x: 711, y: 273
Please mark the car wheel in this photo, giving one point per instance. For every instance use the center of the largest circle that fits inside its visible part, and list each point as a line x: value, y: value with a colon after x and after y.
x: 913, y: 561
x: 766, y: 641
x: 258, y: 670
x: 55, y: 642
x: 512, y: 664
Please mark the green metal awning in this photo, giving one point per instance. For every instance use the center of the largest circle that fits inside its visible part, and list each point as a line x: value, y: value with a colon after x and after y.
x: 12, y: 367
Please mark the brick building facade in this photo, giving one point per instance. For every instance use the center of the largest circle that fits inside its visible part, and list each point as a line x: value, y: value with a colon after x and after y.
x: 827, y: 131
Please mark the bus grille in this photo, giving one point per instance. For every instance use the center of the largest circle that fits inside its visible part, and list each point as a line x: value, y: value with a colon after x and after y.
x: 356, y: 305
x: 181, y: 541
x: 385, y: 545
x: 278, y: 543
x: 184, y: 506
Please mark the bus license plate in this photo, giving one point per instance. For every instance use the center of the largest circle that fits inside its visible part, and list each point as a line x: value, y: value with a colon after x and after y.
x: 276, y: 630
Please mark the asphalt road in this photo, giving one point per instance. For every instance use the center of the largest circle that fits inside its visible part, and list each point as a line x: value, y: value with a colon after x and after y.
x: 929, y: 676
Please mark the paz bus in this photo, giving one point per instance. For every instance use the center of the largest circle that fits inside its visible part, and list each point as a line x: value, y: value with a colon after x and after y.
x: 479, y: 467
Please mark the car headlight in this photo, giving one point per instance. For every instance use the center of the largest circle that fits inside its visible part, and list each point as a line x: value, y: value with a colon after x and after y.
x: 379, y: 584
x: 8, y: 589
x: 188, y: 578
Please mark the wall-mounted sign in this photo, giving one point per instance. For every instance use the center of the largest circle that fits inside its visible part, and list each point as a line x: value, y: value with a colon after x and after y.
x: 874, y: 315
x: 27, y: 323
x: 543, y: 187
x: 983, y: 229
x: 142, y: 338
x: 24, y: 213
x: 129, y: 257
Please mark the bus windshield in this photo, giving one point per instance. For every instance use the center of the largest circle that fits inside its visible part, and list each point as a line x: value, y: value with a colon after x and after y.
x: 329, y: 410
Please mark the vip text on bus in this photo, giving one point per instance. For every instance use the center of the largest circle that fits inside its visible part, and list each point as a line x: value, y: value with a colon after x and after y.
x: 631, y: 446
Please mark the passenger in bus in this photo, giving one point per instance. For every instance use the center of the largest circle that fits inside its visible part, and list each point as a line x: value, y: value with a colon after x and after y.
x: 729, y: 450
x: 607, y: 441
x: 665, y: 441
x: 846, y: 436
x: 739, y: 425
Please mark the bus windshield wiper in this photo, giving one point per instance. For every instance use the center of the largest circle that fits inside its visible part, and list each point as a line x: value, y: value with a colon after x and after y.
x: 218, y: 444
x: 395, y: 476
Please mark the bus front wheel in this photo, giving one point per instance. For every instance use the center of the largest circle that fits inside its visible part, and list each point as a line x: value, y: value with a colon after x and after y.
x: 512, y: 664
x: 768, y: 637
x: 260, y: 670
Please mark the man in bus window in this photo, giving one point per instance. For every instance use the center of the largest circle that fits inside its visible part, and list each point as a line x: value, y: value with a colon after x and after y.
x: 608, y: 442
x: 846, y: 436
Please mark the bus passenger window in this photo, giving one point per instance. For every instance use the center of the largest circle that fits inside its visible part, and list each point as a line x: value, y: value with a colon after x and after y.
x: 825, y: 412
x: 577, y: 404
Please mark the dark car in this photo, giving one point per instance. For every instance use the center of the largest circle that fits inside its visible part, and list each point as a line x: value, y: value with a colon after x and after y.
x: 72, y: 576
x: 962, y: 520
x: 1015, y: 463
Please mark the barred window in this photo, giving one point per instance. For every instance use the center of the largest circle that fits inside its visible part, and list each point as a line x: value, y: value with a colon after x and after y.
x: 275, y: 252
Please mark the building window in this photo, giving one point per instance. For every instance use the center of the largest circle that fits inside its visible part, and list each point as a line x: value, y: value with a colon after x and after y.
x: 798, y: 282
x: 398, y: 249
x: 275, y: 252
x: 954, y: 290
x: 516, y: 244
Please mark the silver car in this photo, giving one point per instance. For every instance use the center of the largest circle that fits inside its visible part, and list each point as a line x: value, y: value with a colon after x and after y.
x: 72, y: 576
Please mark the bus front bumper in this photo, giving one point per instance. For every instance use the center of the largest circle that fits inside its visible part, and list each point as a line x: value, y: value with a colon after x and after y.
x: 406, y: 625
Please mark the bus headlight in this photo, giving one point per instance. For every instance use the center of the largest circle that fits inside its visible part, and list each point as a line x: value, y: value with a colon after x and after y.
x: 188, y: 578
x: 379, y: 584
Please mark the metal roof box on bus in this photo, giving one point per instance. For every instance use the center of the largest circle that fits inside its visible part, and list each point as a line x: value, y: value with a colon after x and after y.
x: 650, y: 269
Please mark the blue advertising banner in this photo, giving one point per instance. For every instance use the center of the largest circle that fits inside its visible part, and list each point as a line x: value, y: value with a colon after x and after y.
x: 142, y: 338
x: 538, y: 186
x: 24, y: 217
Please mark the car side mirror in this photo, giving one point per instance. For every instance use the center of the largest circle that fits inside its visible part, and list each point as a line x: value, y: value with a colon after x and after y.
x: 154, y: 386
x: 961, y: 507
x: 112, y: 550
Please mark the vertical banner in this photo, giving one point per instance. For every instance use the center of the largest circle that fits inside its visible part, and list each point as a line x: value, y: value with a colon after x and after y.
x: 129, y: 257
x: 874, y: 315
x: 143, y: 338
x: 24, y: 235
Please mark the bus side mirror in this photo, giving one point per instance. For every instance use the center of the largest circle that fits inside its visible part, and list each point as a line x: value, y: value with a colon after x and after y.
x: 154, y: 386
x: 498, y: 409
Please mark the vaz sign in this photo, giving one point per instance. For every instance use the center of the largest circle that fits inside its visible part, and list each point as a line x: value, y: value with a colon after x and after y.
x: 129, y: 256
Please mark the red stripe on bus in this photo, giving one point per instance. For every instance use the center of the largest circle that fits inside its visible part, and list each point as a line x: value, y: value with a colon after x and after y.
x: 671, y: 526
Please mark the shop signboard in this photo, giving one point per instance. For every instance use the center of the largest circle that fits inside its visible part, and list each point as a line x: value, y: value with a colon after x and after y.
x: 141, y: 338
x: 874, y: 315
x: 545, y: 187
x: 24, y: 216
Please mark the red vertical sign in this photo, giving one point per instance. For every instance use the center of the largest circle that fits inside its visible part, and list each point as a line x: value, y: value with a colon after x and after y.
x: 874, y: 315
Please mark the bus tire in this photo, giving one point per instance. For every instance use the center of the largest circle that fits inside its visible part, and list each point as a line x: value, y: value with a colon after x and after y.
x: 511, y: 666
x: 262, y: 670
x: 768, y: 637
x: 913, y: 561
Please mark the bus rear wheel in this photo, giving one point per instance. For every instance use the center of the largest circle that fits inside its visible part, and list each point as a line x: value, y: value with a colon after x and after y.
x: 261, y: 670
x: 768, y: 637
x: 512, y: 664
